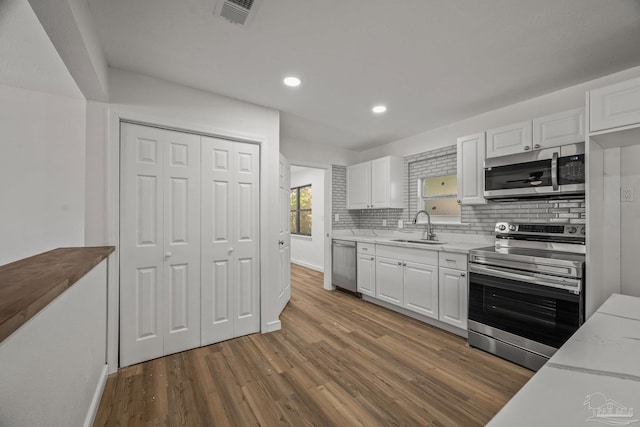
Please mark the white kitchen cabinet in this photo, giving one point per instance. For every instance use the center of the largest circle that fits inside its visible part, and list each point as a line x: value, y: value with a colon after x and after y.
x: 366, y: 269
x: 615, y: 106
x: 558, y: 129
x: 420, y: 284
x: 375, y: 184
x: 471, y: 154
x: 453, y: 287
x: 408, y: 277
x: 511, y: 139
x: 389, y: 280
x: 359, y: 186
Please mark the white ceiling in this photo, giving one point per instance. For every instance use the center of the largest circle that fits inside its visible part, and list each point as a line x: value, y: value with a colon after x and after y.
x: 432, y: 62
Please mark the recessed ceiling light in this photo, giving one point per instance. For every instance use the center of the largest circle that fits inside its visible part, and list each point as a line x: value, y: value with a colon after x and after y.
x: 379, y: 109
x: 292, y: 81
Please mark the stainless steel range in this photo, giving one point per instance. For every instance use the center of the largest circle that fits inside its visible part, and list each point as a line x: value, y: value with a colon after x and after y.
x: 526, y: 293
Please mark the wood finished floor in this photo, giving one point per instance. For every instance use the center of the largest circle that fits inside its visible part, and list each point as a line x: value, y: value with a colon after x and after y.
x: 338, y: 361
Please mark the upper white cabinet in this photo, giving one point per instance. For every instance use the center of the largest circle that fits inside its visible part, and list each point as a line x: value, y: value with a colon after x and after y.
x: 359, y: 186
x: 510, y: 139
x: 615, y: 106
x: 553, y: 130
x: 558, y: 129
x: 375, y: 184
x: 471, y: 152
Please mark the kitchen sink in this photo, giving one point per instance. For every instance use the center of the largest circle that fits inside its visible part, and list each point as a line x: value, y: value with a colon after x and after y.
x: 421, y: 241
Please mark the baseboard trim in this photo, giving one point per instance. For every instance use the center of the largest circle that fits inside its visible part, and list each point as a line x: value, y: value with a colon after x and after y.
x: 274, y: 326
x: 307, y: 265
x: 97, y: 396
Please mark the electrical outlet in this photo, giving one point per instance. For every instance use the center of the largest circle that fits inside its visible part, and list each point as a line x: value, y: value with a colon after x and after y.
x: 627, y: 194
x: 384, y: 222
x: 337, y: 218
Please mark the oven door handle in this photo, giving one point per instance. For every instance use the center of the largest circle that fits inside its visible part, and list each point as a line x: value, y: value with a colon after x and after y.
x: 572, y: 285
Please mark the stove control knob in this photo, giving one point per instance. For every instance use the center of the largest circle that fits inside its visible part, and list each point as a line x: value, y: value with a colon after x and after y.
x: 512, y: 228
x: 502, y: 227
x: 583, y: 230
x: 571, y: 230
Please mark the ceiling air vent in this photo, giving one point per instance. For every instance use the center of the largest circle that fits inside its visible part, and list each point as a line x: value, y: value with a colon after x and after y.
x: 236, y: 11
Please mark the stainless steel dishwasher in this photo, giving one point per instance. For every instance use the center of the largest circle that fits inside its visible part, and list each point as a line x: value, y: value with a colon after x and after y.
x: 343, y: 265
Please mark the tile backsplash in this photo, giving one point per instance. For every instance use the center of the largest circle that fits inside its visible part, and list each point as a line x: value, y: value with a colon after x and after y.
x: 476, y: 219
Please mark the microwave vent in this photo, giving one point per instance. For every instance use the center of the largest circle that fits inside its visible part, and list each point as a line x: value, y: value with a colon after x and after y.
x: 240, y: 12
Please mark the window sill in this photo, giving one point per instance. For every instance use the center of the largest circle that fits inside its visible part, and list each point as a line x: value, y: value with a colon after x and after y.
x: 301, y: 237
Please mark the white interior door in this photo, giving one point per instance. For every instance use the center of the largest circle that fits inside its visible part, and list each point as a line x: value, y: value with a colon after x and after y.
x: 230, y: 244
x: 141, y: 244
x: 284, y: 235
x: 159, y: 243
x: 181, y: 241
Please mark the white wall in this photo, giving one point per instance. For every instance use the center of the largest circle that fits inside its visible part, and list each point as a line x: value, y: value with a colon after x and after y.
x: 42, y: 120
x: 52, y: 366
x: 42, y: 174
x: 629, y: 221
x: 305, y: 251
x: 154, y: 101
x: 308, y: 152
x: 561, y: 100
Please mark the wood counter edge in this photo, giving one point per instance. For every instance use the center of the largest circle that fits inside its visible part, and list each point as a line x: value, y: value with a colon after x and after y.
x: 28, y: 285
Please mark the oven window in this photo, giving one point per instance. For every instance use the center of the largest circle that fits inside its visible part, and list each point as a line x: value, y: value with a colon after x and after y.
x: 521, y: 175
x: 549, y: 316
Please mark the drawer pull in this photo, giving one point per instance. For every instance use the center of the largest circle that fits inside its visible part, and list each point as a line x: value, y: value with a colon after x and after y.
x: 450, y: 260
x: 365, y: 249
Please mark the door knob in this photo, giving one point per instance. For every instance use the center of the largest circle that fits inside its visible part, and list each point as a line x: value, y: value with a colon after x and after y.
x: 167, y: 254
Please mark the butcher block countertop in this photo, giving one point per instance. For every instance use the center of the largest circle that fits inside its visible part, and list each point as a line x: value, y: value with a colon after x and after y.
x: 28, y: 285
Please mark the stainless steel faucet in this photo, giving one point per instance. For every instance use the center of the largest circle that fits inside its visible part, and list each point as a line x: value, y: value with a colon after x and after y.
x: 430, y: 234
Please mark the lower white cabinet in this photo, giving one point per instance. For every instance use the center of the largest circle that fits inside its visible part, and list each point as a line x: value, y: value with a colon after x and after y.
x: 421, y: 288
x: 366, y: 268
x: 431, y: 283
x: 453, y: 297
x: 389, y: 280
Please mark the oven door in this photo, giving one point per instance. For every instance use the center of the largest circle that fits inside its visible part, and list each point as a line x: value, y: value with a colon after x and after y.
x: 527, y: 311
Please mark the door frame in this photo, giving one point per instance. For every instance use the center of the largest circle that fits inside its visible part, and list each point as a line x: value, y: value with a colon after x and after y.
x: 112, y: 138
x: 328, y: 180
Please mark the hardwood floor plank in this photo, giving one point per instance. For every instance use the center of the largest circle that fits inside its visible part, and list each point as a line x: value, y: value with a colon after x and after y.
x: 338, y: 361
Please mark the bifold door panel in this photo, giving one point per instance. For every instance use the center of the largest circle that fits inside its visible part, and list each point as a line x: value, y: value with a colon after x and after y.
x: 172, y: 215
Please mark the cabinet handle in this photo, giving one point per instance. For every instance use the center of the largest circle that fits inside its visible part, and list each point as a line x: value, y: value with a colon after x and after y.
x: 365, y: 249
x: 527, y: 148
x: 459, y: 201
x: 404, y: 264
x: 399, y: 263
x: 537, y: 146
x: 463, y: 274
x: 372, y: 258
x: 450, y: 260
x: 167, y: 254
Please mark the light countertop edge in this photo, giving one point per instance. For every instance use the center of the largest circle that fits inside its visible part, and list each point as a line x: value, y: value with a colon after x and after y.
x: 449, y: 245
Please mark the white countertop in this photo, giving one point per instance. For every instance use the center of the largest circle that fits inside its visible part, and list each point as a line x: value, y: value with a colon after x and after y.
x: 599, y: 365
x: 461, y: 243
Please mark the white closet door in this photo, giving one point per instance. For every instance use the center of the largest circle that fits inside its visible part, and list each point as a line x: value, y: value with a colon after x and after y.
x: 247, y: 183
x: 284, y: 235
x: 230, y: 244
x: 181, y: 242
x: 141, y: 244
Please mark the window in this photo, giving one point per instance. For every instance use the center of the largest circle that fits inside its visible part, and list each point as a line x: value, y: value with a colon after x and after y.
x: 439, y: 196
x: 300, y: 214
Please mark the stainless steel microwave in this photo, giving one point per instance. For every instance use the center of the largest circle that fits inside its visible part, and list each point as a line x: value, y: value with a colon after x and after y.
x: 553, y: 172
